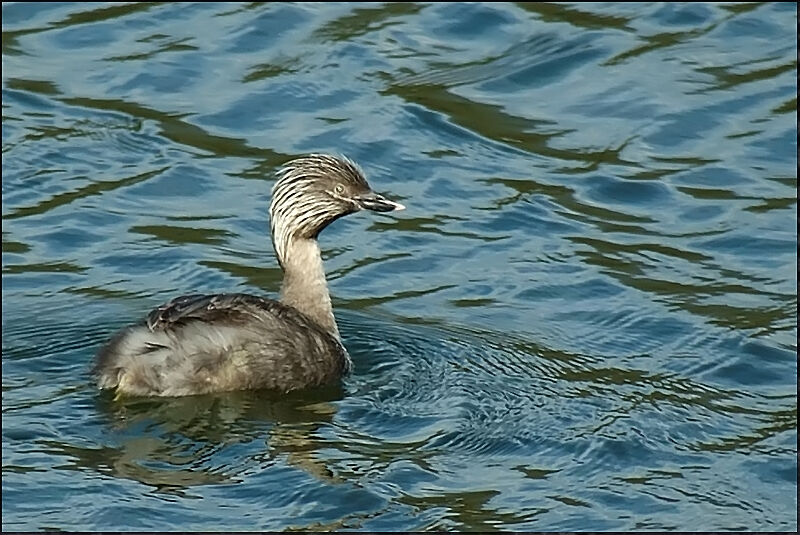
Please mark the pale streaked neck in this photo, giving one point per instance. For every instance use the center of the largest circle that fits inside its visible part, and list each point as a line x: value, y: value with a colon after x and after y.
x: 304, y: 286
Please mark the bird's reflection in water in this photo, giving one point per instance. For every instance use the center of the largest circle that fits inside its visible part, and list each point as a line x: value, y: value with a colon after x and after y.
x: 175, y: 443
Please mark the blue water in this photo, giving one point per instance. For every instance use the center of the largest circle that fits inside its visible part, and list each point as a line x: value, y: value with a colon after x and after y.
x: 586, y: 319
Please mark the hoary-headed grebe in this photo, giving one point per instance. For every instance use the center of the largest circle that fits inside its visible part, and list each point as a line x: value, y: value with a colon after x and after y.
x: 197, y: 344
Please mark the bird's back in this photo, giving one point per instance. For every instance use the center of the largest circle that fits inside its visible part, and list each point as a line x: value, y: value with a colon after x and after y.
x: 210, y: 343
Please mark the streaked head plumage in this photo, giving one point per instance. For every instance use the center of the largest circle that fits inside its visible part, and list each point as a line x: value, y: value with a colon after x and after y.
x: 313, y: 191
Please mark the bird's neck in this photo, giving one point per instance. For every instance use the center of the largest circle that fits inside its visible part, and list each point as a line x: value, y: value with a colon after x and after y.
x: 304, y: 286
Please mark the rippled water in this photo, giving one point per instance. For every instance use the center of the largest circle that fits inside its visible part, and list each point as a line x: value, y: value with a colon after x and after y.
x: 586, y: 319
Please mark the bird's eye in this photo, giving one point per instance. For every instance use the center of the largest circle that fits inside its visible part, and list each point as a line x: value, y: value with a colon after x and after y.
x: 339, y: 189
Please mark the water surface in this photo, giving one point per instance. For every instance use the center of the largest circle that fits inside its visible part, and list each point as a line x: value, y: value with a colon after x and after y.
x: 585, y: 320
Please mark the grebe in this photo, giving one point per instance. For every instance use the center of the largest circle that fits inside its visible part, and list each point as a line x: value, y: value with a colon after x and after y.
x: 196, y: 344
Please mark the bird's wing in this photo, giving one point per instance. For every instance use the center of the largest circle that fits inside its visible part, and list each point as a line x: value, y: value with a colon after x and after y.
x: 215, y: 308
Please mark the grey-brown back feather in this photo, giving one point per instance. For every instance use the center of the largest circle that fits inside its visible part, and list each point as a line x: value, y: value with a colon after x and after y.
x: 207, y: 343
